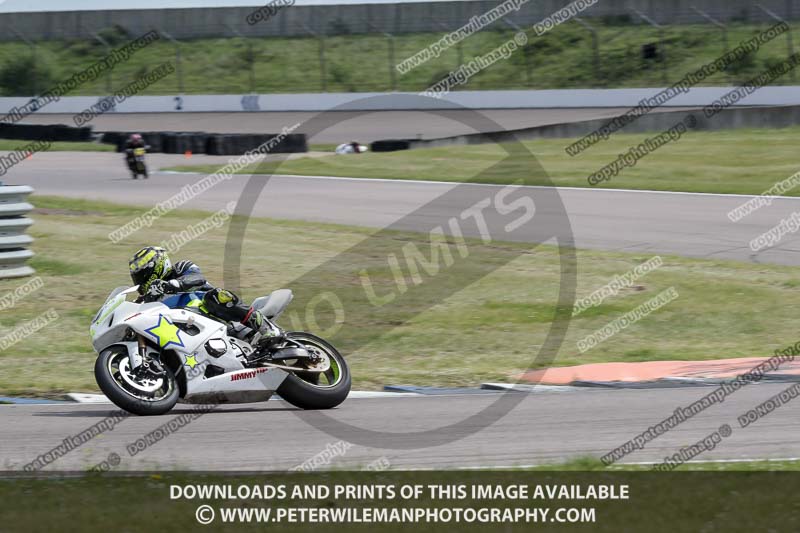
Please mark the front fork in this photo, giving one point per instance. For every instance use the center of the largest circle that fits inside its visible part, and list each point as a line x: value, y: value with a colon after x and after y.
x: 136, y: 357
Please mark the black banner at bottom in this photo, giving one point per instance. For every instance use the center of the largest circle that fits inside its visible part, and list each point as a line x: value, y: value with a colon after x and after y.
x: 403, y: 501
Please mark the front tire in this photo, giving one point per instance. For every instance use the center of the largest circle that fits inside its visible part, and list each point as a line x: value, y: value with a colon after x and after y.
x: 145, y: 397
x: 304, y: 390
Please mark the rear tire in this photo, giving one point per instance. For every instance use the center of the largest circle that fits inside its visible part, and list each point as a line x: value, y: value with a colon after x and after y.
x: 110, y: 386
x: 308, y: 393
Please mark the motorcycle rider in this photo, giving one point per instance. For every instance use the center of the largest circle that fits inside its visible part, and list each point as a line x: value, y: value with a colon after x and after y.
x: 156, y: 276
x: 134, y: 141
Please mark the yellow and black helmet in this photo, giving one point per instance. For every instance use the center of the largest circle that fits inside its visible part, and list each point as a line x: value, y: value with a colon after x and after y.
x: 148, y: 265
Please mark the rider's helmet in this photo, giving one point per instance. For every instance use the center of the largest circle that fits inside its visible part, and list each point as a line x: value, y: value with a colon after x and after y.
x: 136, y: 137
x: 148, y: 265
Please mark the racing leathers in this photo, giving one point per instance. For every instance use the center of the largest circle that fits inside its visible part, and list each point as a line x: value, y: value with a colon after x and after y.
x: 186, y: 276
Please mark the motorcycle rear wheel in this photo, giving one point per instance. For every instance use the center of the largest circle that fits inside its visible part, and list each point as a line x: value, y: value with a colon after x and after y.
x: 305, y: 389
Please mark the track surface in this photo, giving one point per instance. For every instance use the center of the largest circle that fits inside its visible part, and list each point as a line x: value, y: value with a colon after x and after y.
x: 546, y: 427
x: 692, y: 225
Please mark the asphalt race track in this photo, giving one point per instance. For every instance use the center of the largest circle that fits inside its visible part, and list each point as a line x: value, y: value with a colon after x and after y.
x: 692, y: 225
x: 544, y: 428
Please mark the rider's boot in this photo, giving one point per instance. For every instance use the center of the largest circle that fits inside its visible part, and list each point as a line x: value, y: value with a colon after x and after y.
x: 267, y: 335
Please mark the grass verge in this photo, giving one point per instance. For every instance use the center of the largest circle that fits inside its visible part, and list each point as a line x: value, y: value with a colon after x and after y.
x: 746, y: 161
x: 15, y: 144
x: 488, y: 330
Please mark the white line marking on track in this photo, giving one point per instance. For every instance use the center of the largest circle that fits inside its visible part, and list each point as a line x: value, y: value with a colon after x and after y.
x: 85, y: 399
x: 555, y: 465
x: 745, y: 460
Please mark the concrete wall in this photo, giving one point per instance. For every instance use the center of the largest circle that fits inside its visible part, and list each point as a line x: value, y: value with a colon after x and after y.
x: 363, y: 18
x: 550, y: 99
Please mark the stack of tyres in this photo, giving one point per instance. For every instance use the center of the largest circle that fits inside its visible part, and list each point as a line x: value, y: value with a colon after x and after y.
x: 198, y: 143
x: 389, y: 145
x: 171, y: 142
x: 183, y: 143
x: 213, y: 144
x: 45, y: 132
x: 155, y: 140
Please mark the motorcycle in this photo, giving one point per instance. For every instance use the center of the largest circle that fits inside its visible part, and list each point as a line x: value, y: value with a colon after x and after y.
x: 135, y: 160
x: 153, y: 355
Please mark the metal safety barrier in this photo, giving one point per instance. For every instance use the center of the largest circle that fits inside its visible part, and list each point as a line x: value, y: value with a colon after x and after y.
x: 14, y: 242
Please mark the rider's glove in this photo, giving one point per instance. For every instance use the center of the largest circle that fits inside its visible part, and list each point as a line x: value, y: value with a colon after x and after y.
x: 156, y: 288
x: 160, y: 287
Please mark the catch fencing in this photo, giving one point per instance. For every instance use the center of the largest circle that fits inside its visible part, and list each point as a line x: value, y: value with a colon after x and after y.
x: 323, y: 48
x: 298, y: 18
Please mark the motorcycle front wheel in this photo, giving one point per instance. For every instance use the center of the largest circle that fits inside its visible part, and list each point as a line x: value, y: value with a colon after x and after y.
x: 317, y: 390
x: 140, y: 392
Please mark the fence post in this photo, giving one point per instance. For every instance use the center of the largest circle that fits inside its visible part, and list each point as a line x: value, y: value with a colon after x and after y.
x: 251, y: 58
x: 178, y: 67
x: 392, y: 62
x: 323, y: 70
x: 391, y: 57
x: 514, y: 26
x: 719, y: 25
x: 323, y: 66
x: 32, y: 46
x: 789, y: 43
x: 661, y: 43
x: 595, y: 48
x: 13, y: 224
x: 109, y: 83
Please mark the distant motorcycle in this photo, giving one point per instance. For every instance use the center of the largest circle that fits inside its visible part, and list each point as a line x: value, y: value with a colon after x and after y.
x: 135, y: 160
x: 152, y: 355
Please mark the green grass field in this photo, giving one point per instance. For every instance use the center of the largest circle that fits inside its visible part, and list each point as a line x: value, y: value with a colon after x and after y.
x: 489, y: 330
x: 561, y: 58
x: 745, y: 161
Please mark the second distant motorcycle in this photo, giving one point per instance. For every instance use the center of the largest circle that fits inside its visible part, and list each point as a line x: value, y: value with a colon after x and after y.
x: 136, y: 164
x: 135, y: 149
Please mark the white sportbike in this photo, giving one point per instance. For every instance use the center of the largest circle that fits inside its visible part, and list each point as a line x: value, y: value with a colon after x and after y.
x: 152, y: 355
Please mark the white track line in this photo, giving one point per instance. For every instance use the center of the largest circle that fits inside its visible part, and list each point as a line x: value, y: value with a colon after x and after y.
x: 644, y: 463
x: 101, y: 399
x: 556, y: 465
